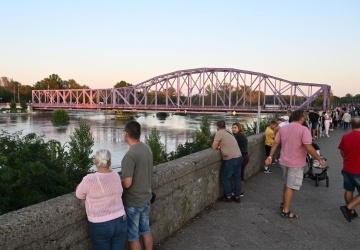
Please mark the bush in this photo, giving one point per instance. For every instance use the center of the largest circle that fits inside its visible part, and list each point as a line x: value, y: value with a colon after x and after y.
x: 32, y: 170
x: 12, y: 104
x: 158, y: 149
x: 80, y: 151
x: 23, y: 105
x: 60, y: 116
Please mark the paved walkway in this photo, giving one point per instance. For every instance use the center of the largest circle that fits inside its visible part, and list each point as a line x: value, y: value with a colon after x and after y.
x: 256, y: 223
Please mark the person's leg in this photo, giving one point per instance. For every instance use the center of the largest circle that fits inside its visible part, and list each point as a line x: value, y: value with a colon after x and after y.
x: 225, y: 176
x: 294, y: 179
x: 144, y: 227
x: 354, y: 202
x: 287, y: 197
x: 327, y: 124
x: 100, y: 234
x: 148, y: 241
x: 348, y: 196
x: 132, y: 234
x: 236, y: 174
x: 243, y: 166
x: 118, y: 239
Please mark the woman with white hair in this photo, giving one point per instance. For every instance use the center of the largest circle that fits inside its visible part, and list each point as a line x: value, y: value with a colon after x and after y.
x: 102, y: 193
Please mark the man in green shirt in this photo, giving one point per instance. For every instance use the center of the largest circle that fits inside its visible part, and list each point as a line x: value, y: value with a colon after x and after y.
x: 137, y: 169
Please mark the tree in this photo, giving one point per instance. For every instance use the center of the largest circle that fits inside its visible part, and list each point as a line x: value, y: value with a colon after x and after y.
x: 158, y: 149
x: 23, y: 105
x: 60, y: 116
x: 122, y: 84
x: 80, y: 149
x: 52, y: 82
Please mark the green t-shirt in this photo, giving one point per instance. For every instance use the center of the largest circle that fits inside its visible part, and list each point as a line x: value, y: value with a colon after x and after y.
x: 138, y: 165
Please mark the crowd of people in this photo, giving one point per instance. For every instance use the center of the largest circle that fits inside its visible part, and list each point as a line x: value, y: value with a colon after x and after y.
x: 118, y: 207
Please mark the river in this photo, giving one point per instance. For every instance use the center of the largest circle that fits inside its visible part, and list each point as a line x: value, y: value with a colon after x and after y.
x: 108, y: 133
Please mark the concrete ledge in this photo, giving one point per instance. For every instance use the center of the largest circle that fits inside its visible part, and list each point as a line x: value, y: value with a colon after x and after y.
x: 184, y: 187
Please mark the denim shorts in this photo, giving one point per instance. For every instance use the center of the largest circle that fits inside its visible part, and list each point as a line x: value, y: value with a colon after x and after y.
x: 351, y: 181
x: 293, y: 177
x: 138, y: 221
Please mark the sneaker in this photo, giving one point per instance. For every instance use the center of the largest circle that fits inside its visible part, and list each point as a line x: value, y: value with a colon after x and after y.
x: 225, y: 199
x: 237, y: 200
x: 327, y: 135
x: 242, y: 194
x: 346, y: 212
x: 354, y: 214
x: 267, y: 171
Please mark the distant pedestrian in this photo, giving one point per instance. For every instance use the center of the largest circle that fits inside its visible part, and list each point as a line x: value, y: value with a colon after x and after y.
x: 349, y: 150
x: 295, y: 142
x: 269, y: 141
x: 102, y: 193
x: 346, y: 120
x: 327, y: 122
x: 137, y: 171
x: 232, y: 161
x: 314, y: 119
x: 242, y: 141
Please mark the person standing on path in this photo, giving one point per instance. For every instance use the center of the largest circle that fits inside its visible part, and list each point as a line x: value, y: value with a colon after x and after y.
x: 346, y: 119
x: 137, y: 170
x: 349, y: 149
x: 242, y: 141
x: 295, y: 142
x: 327, y: 121
x: 102, y: 193
x: 232, y: 161
x: 269, y: 141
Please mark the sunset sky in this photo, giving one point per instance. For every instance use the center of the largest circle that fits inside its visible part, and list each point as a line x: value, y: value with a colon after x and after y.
x: 99, y: 43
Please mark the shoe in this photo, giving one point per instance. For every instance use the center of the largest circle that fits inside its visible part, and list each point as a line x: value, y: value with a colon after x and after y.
x: 237, y: 200
x: 267, y: 171
x: 354, y: 214
x: 331, y: 129
x: 327, y: 135
x: 276, y: 160
x: 242, y: 195
x: 346, y: 212
x: 225, y: 199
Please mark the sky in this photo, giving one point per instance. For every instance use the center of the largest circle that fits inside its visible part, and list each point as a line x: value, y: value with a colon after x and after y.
x: 99, y: 43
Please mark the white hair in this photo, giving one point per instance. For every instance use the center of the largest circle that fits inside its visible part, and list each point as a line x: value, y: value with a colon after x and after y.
x: 102, y: 157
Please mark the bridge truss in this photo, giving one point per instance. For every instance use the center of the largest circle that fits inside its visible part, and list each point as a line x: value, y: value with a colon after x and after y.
x: 202, y: 90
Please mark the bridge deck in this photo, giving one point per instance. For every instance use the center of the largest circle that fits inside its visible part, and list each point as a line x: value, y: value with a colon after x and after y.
x: 255, y: 223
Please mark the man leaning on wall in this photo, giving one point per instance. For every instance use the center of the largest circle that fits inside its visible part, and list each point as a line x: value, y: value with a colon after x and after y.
x: 232, y: 161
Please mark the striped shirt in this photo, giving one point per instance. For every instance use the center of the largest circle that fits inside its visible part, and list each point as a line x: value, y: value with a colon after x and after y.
x: 102, y: 194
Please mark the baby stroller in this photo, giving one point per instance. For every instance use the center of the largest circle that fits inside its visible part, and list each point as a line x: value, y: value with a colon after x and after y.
x: 316, y: 172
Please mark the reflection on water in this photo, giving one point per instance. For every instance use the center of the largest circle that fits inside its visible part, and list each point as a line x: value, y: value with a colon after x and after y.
x: 108, y: 134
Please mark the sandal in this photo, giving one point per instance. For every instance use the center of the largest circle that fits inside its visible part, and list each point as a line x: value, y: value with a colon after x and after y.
x: 354, y: 214
x: 289, y: 215
x: 281, y: 206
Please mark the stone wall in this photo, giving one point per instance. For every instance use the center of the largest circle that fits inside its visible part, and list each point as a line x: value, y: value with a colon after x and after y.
x: 184, y: 188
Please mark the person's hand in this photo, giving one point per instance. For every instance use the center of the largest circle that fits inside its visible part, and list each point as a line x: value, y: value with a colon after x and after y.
x: 268, y: 161
x: 322, y: 162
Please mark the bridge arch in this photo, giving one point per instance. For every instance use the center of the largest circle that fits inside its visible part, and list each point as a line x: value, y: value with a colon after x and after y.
x: 200, y: 90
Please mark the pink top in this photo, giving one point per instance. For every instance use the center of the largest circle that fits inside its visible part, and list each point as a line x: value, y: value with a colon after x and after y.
x: 102, y: 194
x: 292, y: 138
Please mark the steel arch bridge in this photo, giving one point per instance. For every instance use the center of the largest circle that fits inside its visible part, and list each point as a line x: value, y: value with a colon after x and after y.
x: 201, y: 90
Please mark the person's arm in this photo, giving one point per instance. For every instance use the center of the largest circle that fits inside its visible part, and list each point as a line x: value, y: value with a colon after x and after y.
x: 216, y: 145
x: 342, y: 153
x: 268, y: 160
x: 311, y: 150
x: 126, y: 182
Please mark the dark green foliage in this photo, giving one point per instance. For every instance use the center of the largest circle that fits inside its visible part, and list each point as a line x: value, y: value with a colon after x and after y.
x: 23, y: 105
x: 201, y: 141
x: 12, y: 104
x: 80, y: 149
x: 33, y: 170
x: 60, y: 116
x: 157, y: 148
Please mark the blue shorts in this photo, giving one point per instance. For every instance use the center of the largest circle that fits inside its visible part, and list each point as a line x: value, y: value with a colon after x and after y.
x: 138, y: 221
x: 314, y: 125
x: 351, y: 181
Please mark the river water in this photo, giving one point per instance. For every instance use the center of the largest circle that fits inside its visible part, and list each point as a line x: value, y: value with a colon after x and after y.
x: 108, y: 134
